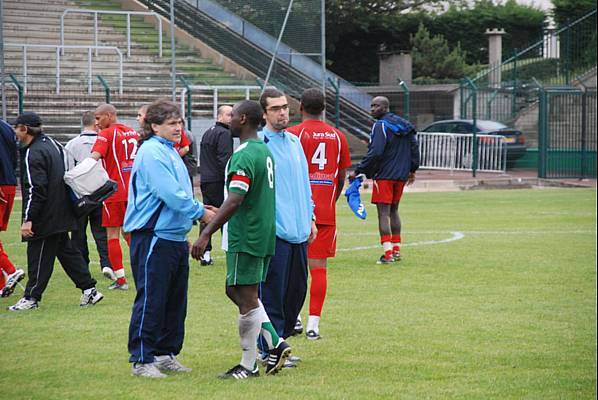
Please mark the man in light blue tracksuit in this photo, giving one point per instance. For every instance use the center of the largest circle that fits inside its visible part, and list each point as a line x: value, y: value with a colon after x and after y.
x: 160, y: 213
x: 283, y: 293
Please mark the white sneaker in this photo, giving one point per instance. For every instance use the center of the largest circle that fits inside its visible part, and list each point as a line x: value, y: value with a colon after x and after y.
x: 24, y: 304
x: 147, y: 371
x: 11, y: 282
x: 91, y: 298
x: 169, y: 363
x: 109, y: 273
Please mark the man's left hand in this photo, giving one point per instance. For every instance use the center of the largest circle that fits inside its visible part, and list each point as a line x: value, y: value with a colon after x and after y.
x: 411, y: 178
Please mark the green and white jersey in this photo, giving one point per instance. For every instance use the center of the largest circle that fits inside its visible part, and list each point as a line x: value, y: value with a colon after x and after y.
x: 250, y: 172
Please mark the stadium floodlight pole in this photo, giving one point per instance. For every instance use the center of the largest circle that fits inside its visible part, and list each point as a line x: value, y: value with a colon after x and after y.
x: 284, y: 25
x: 172, y: 51
x: 2, y: 60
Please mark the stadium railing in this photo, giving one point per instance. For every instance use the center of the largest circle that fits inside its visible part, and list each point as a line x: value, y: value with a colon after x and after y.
x: 455, y: 151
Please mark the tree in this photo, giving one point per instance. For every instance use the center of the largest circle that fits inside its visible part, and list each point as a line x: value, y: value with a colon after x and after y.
x: 432, y: 57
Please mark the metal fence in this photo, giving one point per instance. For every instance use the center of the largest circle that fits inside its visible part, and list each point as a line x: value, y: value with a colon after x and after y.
x: 567, y: 133
x: 454, y: 151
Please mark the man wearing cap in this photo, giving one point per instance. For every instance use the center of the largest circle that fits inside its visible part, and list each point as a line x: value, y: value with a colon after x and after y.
x: 47, y: 216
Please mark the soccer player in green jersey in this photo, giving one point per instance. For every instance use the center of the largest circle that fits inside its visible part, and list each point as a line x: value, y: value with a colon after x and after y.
x: 249, y: 239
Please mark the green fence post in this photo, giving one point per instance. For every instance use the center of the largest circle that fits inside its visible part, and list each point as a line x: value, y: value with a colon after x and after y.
x: 542, y: 133
x: 584, y: 126
x: 489, y: 102
x: 461, y: 100
x: 20, y: 91
x: 514, y: 76
x: 106, y: 88
x: 474, y: 116
x: 406, y: 98
x: 337, y: 101
x: 189, y: 100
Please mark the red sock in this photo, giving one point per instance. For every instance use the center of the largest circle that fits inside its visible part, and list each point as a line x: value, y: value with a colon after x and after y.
x: 386, y: 241
x: 396, y: 243
x: 115, y: 255
x: 2, y: 281
x: 317, y: 290
x: 5, y: 263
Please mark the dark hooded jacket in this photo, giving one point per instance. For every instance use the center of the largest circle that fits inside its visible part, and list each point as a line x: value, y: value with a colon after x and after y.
x: 393, y: 152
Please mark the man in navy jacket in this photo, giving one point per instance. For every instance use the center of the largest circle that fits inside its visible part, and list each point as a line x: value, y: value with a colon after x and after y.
x: 391, y: 160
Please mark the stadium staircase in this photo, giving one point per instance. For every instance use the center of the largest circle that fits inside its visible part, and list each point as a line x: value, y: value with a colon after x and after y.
x: 354, y: 119
x: 146, y: 75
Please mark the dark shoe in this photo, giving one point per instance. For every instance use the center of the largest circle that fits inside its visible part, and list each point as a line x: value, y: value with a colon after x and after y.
x: 240, y: 372
x: 204, y: 263
x: 396, y: 256
x: 385, y: 260
x: 312, y: 335
x: 277, y: 358
x: 298, y: 330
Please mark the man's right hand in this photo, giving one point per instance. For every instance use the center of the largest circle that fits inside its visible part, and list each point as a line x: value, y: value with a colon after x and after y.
x: 199, y: 246
x: 208, y: 214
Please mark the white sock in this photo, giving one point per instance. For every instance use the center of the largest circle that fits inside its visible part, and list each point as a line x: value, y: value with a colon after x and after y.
x: 267, y: 329
x: 88, y: 291
x: 206, y: 256
x: 299, y: 317
x: 249, y: 329
x: 313, y: 323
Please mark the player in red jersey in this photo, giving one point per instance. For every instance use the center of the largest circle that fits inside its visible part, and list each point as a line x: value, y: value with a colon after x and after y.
x: 327, y: 153
x: 116, y: 146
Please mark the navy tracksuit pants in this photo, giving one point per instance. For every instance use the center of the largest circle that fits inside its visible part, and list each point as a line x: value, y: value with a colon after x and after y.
x: 161, y: 272
x: 283, y: 293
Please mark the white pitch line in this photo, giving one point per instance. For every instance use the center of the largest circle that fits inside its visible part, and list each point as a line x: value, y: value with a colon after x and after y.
x: 555, y: 231
x: 456, y: 236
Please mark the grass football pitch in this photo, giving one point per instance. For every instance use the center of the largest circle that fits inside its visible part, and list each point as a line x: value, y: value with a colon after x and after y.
x: 495, y: 298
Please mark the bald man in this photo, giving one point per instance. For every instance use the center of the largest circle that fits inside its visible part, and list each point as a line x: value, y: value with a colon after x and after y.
x: 391, y: 160
x: 116, y: 146
x: 216, y: 148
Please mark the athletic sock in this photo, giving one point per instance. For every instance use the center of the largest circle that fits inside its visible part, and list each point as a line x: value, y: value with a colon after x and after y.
x: 206, y: 255
x: 2, y: 281
x: 317, y: 291
x: 313, y: 323
x: 386, y: 241
x: 249, y: 329
x: 267, y: 329
x: 396, y: 243
x: 115, y: 255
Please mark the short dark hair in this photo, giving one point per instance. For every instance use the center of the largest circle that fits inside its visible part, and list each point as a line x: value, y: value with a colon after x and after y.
x: 313, y: 101
x: 88, y: 118
x: 252, y: 110
x: 158, y: 112
x: 269, y: 93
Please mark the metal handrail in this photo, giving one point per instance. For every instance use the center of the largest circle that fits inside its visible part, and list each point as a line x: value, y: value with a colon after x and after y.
x: 95, y: 24
x: 106, y: 88
x: 186, y: 109
x: 217, y: 88
x: 60, y: 48
x: 19, y: 88
x: 406, y: 97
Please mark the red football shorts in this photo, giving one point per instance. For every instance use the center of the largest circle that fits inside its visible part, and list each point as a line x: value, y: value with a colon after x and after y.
x: 7, y: 199
x: 325, y: 244
x: 387, y: 191
x: 113, y: 214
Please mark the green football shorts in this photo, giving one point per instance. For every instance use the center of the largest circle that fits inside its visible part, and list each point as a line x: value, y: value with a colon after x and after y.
x: 245, y: 269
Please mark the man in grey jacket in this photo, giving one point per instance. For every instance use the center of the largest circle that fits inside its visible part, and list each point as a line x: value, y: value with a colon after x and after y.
x: 79, y: 149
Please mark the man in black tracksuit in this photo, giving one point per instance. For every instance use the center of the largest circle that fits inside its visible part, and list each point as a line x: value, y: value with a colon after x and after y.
x: 216, y: 149
x: 47, y: 216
